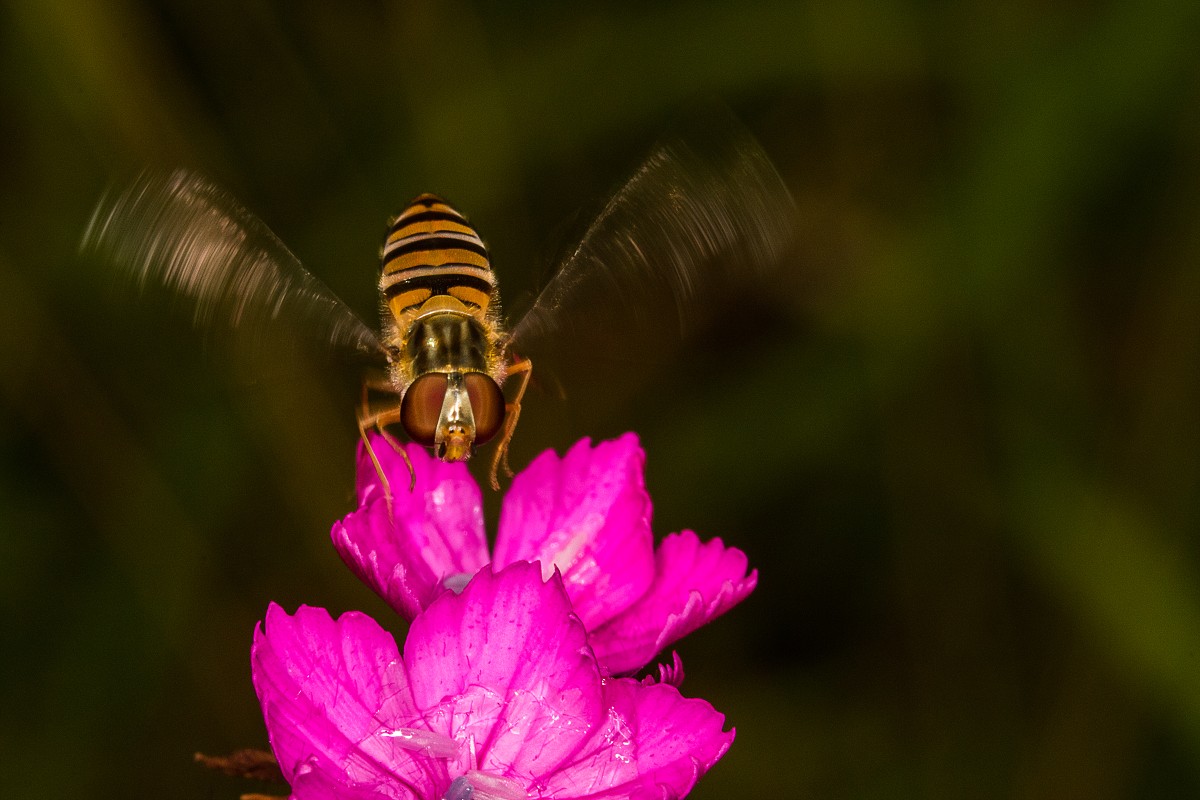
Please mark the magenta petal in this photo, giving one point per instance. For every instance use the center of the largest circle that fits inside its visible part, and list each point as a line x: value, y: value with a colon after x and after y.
x: 506, y: 665
x: 694, y: 582
x: 406, y: 551
x: 331, y: 692
x: 369, y: 543
x: 655, y: 744
x: 587, y: 514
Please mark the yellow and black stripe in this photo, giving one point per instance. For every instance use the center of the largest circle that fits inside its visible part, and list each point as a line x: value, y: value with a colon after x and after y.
x: 431, y: 250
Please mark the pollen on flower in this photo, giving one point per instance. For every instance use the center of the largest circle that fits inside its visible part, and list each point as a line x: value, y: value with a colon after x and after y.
x: 618, y: 735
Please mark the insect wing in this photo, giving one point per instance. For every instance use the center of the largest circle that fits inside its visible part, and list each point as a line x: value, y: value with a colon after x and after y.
x: 179, y: 232
x: 704, y: 215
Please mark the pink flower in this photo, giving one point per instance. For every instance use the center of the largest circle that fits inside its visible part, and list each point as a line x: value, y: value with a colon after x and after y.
x: 586, y: 514
x: 497, y: 696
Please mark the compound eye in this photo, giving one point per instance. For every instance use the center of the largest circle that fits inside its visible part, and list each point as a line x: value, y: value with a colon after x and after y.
x: 422, y: 407
x: 487, y: 405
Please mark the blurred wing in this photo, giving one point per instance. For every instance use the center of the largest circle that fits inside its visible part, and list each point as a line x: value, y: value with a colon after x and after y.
x: 179, y: 232
x: 703, y: 216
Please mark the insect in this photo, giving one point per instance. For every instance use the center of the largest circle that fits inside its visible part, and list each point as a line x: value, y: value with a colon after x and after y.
x: 703, y: 213
x: 443, y: 336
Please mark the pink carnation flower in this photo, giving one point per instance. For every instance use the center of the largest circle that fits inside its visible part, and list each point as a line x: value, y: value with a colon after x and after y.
x: 586, y: 514
x: 497, y: 696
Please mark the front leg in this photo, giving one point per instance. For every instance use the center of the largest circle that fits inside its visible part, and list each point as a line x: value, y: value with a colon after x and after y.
x: 512, y: 412
x: 379, y: 420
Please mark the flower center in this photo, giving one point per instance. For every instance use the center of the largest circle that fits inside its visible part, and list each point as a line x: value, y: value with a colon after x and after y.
x: 476, y: 785
x: 471, y: 785
x: 460, y: 789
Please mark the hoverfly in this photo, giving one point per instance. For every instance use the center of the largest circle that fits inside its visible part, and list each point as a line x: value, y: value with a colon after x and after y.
x: 702, y: 212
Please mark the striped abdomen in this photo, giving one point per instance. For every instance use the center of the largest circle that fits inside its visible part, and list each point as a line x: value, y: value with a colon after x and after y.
x: 432, y: 250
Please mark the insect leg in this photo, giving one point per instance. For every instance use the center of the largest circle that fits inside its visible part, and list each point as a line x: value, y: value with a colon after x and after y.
x: 378, y: 420
x: 512, y: 412
x: 391, y: 417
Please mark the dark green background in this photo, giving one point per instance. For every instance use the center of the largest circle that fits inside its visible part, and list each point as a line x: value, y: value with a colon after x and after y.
x: 959, y: 439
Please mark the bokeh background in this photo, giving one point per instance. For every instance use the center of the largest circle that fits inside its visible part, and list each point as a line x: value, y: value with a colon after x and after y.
x: 958, y: 436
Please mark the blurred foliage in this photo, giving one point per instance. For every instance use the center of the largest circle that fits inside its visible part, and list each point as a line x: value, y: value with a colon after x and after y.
x: 959, y: 436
